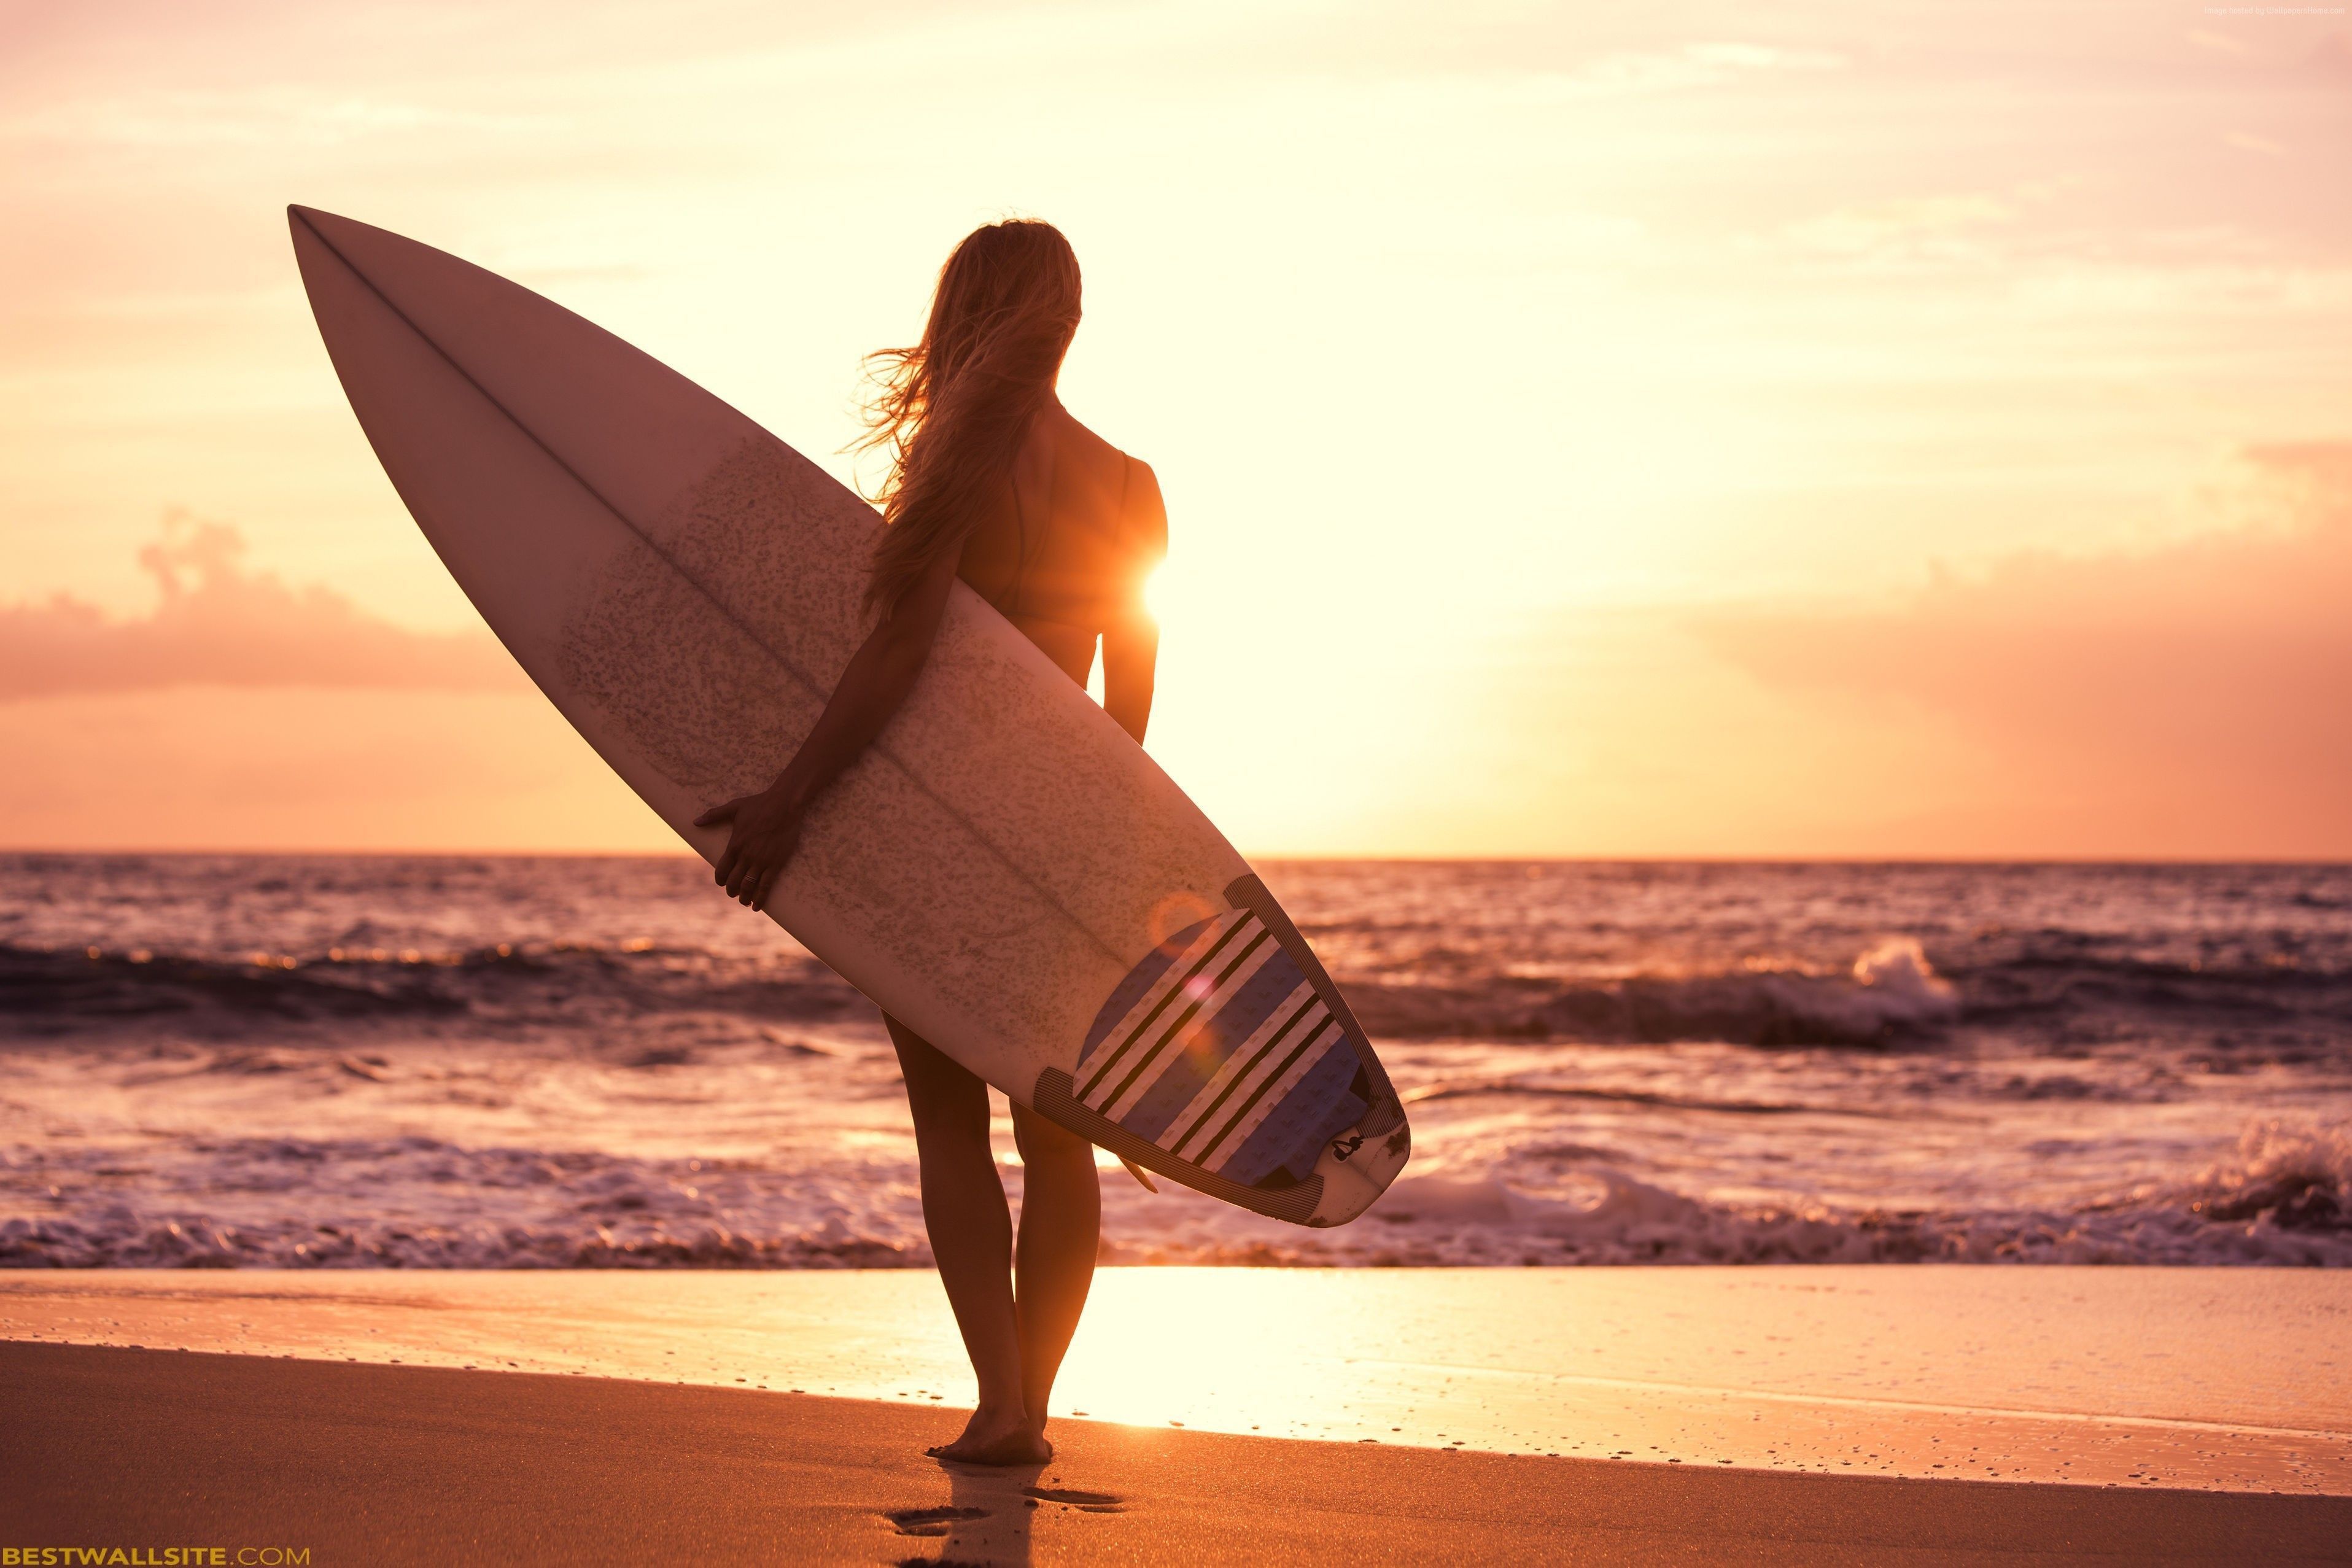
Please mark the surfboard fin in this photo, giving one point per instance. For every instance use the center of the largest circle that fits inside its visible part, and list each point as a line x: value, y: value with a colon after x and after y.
x: 1137, y: 1171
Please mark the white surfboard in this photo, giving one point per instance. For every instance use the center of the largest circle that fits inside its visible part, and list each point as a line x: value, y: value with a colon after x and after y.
x: 1005, y: 870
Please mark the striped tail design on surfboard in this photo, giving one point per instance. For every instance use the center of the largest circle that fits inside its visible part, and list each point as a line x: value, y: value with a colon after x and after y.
x: 1219, y: 1050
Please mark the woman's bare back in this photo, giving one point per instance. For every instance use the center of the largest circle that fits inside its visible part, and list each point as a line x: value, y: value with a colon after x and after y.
x: 1066, y: 554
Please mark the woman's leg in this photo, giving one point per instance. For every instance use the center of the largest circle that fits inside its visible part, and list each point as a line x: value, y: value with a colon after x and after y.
x: 1061, y: 1222
x: 972, y: 1239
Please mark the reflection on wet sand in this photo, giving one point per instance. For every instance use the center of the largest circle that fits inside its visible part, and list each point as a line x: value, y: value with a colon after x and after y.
x: 991, y: 1512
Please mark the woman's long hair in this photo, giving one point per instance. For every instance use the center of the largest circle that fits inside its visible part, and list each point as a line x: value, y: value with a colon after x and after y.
x: 952, y: 409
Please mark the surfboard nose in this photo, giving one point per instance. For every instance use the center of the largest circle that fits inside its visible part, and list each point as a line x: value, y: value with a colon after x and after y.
x: 347, y: 237
x: 308, y: 228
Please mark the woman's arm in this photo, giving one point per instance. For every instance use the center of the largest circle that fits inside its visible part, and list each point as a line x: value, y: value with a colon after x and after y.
x: 1131, y: 642
x: 766, y: 826
x: 1131, y: 662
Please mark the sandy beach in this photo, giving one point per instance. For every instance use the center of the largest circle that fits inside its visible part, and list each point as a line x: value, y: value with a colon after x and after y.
x: 1633, y: 1415
x: 377, y: 1463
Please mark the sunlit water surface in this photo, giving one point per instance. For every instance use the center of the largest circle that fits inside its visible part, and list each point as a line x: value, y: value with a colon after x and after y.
x: 490, y: 1062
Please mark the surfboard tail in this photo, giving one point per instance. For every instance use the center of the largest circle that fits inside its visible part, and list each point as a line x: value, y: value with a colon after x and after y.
x: 1227, y: 1059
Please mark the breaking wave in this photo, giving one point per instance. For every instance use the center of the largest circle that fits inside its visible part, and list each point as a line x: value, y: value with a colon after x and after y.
x: 2285, y: 1197
x: 1891, y: 993
x: 420, y: 1202
x: 2286, y: 1200
x: 44, y: 991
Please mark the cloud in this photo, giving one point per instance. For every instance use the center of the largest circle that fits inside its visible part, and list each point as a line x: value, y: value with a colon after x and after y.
x: 251, y: 769
x: 217, y: 624
x: 2202, y: 683
x: 1695, y: 65
x: 1916, y: 226
x: 272, y: 117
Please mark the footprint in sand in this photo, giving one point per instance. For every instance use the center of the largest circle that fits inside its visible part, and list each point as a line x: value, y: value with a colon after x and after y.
x: 1089, y: 1502
x: 932, y: 1521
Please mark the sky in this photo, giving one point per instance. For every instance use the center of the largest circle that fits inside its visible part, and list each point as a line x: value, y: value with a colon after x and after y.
x: 1691, y: 429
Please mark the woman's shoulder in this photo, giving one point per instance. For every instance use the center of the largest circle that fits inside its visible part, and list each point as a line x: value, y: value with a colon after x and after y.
x: 1146, y: 510
x: 1122, y: 479
x: 1077, y: 444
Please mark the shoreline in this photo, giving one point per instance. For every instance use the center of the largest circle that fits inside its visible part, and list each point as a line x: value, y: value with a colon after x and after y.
x: 383, y: 1464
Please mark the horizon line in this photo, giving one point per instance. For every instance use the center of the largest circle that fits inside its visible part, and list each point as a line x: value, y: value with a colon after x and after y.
x: 2335, y: 861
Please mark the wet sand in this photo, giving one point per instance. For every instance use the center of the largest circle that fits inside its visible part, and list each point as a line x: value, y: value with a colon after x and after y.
x: 2211, y: 1379
x: 376, y: 1464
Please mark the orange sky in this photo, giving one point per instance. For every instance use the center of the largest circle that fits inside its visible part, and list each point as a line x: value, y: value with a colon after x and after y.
x: 1829, y: 429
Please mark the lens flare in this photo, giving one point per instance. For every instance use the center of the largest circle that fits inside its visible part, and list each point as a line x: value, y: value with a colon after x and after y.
x: 1175, y: 912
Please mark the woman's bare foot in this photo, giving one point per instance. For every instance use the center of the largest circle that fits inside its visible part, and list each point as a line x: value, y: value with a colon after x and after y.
x: 990, y: 1437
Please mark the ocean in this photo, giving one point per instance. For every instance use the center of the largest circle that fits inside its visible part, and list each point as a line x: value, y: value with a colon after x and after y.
x: 412, y: 1061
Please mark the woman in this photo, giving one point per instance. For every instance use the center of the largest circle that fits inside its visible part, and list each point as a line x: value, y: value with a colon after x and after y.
x: 992, y: 481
